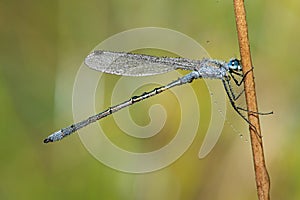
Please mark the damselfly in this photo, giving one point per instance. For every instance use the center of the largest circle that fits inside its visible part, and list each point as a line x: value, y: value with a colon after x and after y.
x: 130, y: 64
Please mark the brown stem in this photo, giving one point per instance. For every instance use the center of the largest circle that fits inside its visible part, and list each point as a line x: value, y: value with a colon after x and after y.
x: 261, y: 173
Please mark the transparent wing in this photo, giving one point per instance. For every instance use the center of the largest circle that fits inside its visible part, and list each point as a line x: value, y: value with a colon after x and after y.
x: 130, y: 64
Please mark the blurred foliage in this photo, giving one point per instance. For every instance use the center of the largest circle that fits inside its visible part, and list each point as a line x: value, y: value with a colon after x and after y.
x: 45, y: 41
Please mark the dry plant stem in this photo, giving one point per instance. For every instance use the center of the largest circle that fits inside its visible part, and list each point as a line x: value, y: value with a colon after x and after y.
x: 261, y: 173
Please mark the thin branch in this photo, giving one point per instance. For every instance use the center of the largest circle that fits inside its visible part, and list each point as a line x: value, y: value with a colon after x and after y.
x: 261, y: 173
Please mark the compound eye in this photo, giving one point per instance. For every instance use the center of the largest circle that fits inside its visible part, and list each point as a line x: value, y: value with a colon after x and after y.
x: 234, y: 64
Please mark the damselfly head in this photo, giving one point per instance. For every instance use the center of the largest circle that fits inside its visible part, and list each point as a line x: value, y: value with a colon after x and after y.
x: 234, y: 64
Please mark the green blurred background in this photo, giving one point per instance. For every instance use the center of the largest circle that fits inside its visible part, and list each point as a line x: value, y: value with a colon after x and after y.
x: 44, y: 40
